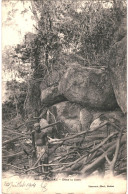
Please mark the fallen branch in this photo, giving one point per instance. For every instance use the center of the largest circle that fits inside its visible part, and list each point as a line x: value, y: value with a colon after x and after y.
x: 91, y: 157
x: 100, y: 151
x: 34, y: 167
x: 81, y: 133
x: 13, y: 155
x: 71, y: 137
x: 14, y: 132
x: 11, y: 140
x: 115, y: 126
x: 53, y: 150
x: 15, y: 127
x: 103, y: 142
x: 38, y: 159
x: 50, y: 125
x: 112, y: 163
x: 13, y: 166
x: 94, y: 165
x: 76, y: 164
x: 61, y: 157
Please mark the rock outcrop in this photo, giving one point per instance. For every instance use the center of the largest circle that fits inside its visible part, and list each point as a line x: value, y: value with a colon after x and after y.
x: 88, y: 87
x: 88, y: 96
x: 68, y: 113
x: 118, y: 65
x: 44, y: 123
x: 51, y: 95
x: 76, y: 118
x: 118, y: 72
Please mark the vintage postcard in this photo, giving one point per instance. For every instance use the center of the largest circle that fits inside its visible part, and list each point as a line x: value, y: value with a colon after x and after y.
x: 64, y: 96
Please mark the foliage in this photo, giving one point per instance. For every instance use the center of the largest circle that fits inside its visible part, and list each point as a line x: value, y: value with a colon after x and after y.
x: 16, y: 92
x: 91, y: 31
x: 14, y: 63
x: 8, y: 110
x: 71, y: 30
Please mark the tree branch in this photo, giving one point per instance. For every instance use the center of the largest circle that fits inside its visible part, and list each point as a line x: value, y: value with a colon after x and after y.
x: 94, y: 165
x: 112, y: 164
x: 103, y: 142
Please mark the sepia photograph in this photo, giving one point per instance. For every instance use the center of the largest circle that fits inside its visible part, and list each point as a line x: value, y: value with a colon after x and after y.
x: 64, y: 96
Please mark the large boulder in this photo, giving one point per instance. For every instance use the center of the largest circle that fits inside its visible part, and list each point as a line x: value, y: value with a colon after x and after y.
x: 88, y: 87
x: 50, y: 96
x: 116, y: 118
x: 118, y: 72
x: 75, y: 118
x: 69, y: 114
x: 122, y: 30
x: 44, y: 123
